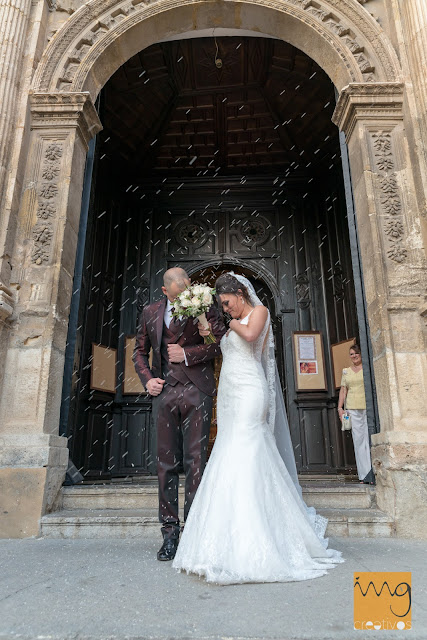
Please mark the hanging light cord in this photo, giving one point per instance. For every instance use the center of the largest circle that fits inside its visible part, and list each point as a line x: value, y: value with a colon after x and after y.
x: 218, y: 61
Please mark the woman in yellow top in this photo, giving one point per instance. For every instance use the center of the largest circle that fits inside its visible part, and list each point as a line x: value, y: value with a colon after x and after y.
x: 352, y: 393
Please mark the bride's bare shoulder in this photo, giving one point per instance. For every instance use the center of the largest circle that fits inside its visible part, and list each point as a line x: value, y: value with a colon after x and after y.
x: 260, y: 312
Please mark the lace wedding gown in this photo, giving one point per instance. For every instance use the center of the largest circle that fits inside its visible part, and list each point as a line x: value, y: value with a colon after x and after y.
x: 248, y: 522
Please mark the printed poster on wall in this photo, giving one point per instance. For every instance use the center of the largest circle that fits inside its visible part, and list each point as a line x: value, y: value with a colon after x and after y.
x: 309, y: 361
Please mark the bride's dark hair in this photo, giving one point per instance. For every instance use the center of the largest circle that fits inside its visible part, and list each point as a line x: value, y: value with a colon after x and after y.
x: 229, y: 284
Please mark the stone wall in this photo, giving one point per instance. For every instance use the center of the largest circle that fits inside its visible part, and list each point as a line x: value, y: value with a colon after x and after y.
x: 375, y: 62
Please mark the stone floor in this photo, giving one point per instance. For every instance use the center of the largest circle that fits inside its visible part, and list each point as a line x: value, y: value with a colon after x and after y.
x: 116, y: 589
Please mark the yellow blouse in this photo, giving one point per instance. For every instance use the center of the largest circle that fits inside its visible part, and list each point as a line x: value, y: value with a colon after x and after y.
x: 355, y: 388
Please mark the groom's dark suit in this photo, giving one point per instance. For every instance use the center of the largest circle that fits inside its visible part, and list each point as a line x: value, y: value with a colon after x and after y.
x: 183, y: 407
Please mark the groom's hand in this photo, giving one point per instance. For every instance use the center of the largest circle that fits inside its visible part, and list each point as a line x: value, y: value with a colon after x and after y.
x: 155, y: 386
x: 175, y: 353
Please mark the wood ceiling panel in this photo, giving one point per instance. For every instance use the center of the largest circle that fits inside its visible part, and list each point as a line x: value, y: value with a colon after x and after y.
x: 169, y: 109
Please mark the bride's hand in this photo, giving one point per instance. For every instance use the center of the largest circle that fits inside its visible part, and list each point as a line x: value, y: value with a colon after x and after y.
x: 204, y: 332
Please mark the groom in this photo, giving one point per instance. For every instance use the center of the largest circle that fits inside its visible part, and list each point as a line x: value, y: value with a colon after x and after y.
x: 182, y: 384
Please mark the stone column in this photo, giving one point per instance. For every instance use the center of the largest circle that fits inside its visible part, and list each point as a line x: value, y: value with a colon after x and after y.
x: 33, y: 457
x: 413, y: 40
x: 22, y: 27
x: 394, y: 270
x: 410, y: 22
x: 14, y: 19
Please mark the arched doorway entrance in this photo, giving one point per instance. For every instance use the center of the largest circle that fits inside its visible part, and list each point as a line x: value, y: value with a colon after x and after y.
x: 348, y: 44
x: 209, y: 166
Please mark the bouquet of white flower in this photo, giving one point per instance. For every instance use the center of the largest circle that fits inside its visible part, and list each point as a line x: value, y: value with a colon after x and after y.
x: 193, y: 302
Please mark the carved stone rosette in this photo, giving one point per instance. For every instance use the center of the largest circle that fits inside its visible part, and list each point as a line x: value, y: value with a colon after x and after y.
x: 42, y: 231
x: 378, y: 107
x: 391, y: 204
x: 53, y: 115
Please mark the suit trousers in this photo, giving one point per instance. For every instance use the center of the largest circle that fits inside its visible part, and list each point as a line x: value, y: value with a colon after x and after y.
x: 182, y: 415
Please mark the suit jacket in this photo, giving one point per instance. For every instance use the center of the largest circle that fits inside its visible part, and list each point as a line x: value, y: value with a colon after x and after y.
x: 199, y: 355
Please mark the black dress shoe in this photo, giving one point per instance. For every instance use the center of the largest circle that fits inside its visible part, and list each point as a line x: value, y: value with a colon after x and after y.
x: 168, y: 549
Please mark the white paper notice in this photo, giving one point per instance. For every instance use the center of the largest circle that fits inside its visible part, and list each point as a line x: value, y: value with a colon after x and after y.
x: 306, y: 348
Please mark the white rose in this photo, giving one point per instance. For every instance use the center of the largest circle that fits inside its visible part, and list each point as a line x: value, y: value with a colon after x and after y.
x: 185, y: 303
x: 197, y: 290
x: 185, y: 294
x: 195, y: 302
x: 207, y: 298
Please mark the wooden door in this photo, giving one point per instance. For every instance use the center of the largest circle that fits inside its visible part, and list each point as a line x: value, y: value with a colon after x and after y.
x: 296, y: 254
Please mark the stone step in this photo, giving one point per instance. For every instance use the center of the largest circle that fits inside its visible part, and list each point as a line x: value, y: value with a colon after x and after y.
x: 112, y: 496
x: 100, y: 523
x: 336, y: 496
x: 358, y: 523
x: 137, y: 523
x: 318, y: 495
x: 305, y: 478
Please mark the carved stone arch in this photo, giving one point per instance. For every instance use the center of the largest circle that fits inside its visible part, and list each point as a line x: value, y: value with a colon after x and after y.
x: 347, y: 43
x: 340, y: 35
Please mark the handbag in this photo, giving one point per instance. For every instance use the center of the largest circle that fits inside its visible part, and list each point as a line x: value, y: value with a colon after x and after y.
x: 345, y: 420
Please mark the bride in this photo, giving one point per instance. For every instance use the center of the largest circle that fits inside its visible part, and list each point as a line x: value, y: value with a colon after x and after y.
x: 248, y: 521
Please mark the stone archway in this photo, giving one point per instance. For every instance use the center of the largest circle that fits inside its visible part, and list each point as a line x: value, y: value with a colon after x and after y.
x: 342, y: 37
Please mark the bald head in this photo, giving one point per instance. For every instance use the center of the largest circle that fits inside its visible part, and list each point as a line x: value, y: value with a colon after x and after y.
x: 177, y: 275
x: 175, y: 280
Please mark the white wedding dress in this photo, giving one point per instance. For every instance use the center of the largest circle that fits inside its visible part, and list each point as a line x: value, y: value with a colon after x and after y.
x: 248, y: 522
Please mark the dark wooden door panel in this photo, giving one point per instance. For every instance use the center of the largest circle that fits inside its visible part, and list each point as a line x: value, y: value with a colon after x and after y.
x: 98, y: 442
x: 135, y: 453
x: 315, y: 436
